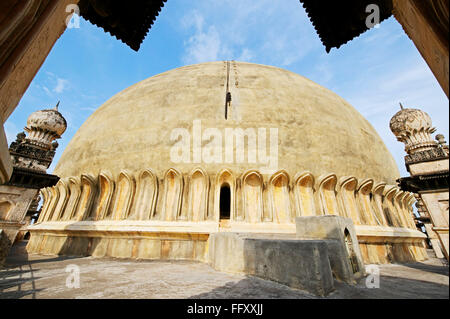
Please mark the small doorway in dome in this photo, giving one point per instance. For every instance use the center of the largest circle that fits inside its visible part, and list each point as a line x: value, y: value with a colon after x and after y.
x: 225, y: 201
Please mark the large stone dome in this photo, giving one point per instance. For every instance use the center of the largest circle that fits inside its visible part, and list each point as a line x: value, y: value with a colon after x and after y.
x: 318, y: 131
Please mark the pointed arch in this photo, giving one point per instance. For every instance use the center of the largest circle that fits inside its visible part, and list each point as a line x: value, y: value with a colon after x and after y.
x: 364, y: 194
x: 327, y: 195
x: 72, y: 204
x: 252, y: 191
x: 198, y: 195
x: 377, y: 203
x: 106, y: 186
x: 279, y: 198
x: 45, y: 197
x: 173, y: 189
x: 88, y: 192
x: 54, y: 198
x: 389, y: 208
x: 64, y: 194
x: 146, y: 196
x: 410, y: 200
x: 304, y: 194
x: 126, y: 187
x: 6, y: 207
x: 347, y: 198
x: 398, y: 204
x: 225, y: 181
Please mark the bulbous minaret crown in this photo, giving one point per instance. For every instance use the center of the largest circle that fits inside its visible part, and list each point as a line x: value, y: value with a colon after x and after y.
x: 413, y: 127
x: 45, y: 126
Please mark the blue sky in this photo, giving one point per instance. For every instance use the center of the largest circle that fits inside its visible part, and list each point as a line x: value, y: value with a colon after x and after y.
x: 374, y: 72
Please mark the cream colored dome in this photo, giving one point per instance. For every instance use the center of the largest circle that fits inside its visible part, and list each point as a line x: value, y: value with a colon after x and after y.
x: 318, y: 131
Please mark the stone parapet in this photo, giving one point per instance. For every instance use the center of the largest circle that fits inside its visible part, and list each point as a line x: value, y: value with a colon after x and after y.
x: 140, y: 205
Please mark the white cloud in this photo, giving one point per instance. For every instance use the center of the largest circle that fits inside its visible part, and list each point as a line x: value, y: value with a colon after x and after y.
x: 61, y: 85
x: 262, y: 31
x: 203, y: 46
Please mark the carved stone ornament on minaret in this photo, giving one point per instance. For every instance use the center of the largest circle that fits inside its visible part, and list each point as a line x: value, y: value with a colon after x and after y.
x: 414, y: 128
x: 36, y: 151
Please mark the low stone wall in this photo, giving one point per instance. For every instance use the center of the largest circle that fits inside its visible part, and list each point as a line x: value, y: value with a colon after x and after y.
x: 189, y: 240
x: 156, y: 247
x: 301, y: 264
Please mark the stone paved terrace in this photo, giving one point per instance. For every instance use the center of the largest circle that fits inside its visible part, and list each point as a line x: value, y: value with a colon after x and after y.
x: 42, y: 277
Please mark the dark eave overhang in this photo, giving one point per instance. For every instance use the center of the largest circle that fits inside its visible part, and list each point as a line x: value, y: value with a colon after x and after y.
x: 338, y: 22
x: 27, y: 178
x: 425, y: 183
x: 128, y: 21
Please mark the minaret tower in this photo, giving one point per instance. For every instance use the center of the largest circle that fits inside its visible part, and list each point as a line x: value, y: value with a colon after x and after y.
x: 427, y: 161
x: 31, y: 154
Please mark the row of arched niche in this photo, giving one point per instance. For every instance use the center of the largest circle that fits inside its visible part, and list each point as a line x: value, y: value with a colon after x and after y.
x: 248, y: 198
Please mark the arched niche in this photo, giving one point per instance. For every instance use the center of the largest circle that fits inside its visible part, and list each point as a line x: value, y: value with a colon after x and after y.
x: 224, y: 197
x: 45, y: 202
x: 125, y: 190
x: 398, y: 204
x: 6, y: 208
x: 146, y: 195
x: 304, y: 195
x: 106, y: 187
x: 252, y: 191
x: 87, y: 196
x: 198, y: 195
x: 54, y: 198
x: 388, y: 206
x: 64, y: 194
x: 350, y: 246
x: 72, y: 204
x: 279, y: 198
x: 327, y: 195
x: 173, y: 190
x: 377, y: 204
x: 364, y: 194
x: 409, y: 201
x: 347, y: 198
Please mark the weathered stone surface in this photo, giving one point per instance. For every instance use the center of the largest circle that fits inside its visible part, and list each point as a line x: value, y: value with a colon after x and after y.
x: 343, y: 247
x: 301, y: 264
x: 5, y: 244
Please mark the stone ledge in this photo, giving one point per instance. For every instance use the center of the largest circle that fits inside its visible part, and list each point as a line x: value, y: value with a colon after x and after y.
x: 210, y: 227
x: 379, y: 234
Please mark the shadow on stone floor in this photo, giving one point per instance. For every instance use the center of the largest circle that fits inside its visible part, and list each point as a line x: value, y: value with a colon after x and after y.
x: 25, y: 276
x: 18, y: 271
x: 18, y: 256
x: 435, y: 269
x: 390, y: 288
x: 254, y: 288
